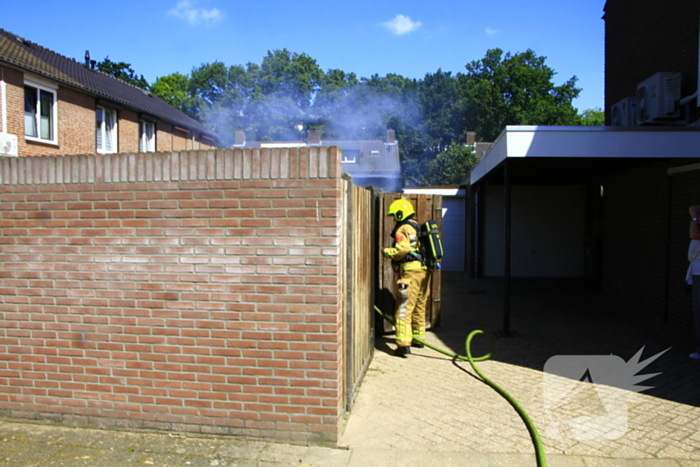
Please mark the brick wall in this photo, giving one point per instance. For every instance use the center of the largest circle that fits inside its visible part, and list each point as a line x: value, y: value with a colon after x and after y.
x: 684, y: 193
x: 635, y: 208
x: 181, y: 140
x: 76, y: 123
x: 643, y: 37
x: 190, y: 291
x: 128, y: 131
x: 164, y: 137
x: 645, y: 238
x: 15, y: 99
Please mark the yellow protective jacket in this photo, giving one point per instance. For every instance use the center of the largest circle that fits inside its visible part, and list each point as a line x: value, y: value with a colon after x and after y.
x: 406, y: 248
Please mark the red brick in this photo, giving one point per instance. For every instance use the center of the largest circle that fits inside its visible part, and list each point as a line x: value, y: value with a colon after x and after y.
x: 225, y: 309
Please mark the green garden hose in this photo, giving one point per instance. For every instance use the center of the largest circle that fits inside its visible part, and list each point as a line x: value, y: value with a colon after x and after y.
x: 534, y: 434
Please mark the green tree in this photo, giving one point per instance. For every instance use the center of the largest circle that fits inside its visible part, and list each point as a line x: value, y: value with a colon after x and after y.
x: 502, y: 90
x: 348, y: 108
x: 288, y: 92
x: 221, y: 96
x: 290, y: 75
x: 593, y: 117
x: 273, y: 99
x: 174, y: 89
x: 441, y: 105
x: 334, y: 98
x: 336, y: 86
x: 396, y: 104
x: 451, y: 166
x: 122, y: 71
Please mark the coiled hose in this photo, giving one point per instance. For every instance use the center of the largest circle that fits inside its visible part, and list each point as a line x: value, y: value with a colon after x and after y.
x: 534, y: 434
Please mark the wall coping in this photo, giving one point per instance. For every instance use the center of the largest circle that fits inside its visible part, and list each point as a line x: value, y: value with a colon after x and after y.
x: 174, y: 166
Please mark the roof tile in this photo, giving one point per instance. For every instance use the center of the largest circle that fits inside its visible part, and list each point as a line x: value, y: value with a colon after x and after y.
x: 44, y: 62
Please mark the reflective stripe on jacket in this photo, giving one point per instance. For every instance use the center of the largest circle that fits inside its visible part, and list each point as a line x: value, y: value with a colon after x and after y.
x: 406, y: 248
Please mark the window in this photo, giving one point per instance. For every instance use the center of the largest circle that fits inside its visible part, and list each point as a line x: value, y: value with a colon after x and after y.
x: 350, y: 156
x: 40, y: 113
x: 106, y: 129
x: 147, y: 137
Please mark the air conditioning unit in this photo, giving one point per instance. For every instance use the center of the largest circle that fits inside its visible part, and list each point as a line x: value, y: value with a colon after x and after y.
x: 8, y: 145
x: 624, y: 113
x: 657, y: 98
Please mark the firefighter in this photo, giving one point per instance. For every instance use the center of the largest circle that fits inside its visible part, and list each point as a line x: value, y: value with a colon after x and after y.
x: 414, y: 283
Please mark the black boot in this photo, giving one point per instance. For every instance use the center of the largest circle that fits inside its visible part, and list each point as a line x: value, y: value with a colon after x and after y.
x: 417, y: 345
x: 402, y: 352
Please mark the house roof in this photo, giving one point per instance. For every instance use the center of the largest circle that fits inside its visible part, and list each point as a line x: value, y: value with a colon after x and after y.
x: 26, y: 55
x: 437, y: 190
x: 541, y: 154
x: 371, y: 158
x: 480, y: 149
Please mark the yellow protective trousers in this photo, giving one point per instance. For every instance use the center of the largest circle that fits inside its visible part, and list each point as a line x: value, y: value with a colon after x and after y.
x: 412, y: 301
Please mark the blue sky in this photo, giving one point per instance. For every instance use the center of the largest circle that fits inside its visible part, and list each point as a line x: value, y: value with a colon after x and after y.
x: 407, y: 37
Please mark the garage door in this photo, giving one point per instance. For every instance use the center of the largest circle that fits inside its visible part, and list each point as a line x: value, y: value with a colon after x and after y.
x: 453, y: 232
x: 548, y: 225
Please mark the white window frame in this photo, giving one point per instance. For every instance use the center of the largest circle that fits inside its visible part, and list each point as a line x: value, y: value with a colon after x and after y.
x: 101, y: 131
x: 147, y: 143
x: 52, y: 89
x: 347, y: 159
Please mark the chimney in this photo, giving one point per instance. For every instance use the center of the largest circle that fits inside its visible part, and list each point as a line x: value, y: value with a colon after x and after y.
x: 87, y: 58
x: 239, y: 138
x: 313, y: 137
x: 390, y: 137
x: 471, y: 138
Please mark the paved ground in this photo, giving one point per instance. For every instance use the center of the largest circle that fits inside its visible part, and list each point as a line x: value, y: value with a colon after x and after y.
x: 431, y: 404
x: 428, y: 410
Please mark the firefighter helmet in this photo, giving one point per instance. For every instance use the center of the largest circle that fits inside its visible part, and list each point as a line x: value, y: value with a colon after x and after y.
x: 401, y: 209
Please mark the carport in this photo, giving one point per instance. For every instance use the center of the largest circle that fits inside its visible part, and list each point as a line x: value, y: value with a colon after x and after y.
x: 604, y: 204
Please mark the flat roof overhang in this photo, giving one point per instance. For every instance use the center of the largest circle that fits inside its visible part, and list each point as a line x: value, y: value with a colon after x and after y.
x: 548, y: 154
x: 442, y: 191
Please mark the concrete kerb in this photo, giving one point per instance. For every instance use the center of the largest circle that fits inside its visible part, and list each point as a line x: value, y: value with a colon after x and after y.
x: 23, y: 444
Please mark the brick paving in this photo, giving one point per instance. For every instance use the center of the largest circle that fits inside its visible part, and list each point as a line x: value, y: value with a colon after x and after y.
x: 428, y: 402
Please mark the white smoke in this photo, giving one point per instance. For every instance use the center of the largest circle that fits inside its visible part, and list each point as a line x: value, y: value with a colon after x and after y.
x: 357, y: 112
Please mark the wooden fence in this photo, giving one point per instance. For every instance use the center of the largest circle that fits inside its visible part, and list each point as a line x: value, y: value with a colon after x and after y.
x: 427, y: 207
x: 369, y: 278
x: 360, y: 276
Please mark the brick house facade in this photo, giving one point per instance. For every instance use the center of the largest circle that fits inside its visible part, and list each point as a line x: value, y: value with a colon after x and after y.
x: 646, y: 269
x: 646, y: 37
x: 645, y: 244
x: 52, y: 105
x: 195, y: 291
